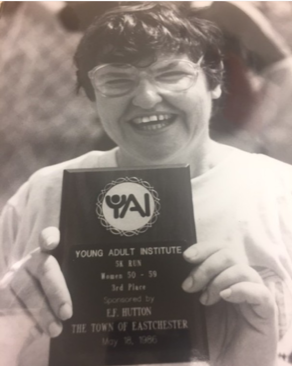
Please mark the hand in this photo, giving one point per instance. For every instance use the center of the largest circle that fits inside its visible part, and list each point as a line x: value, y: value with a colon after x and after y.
x: 248, y: 330
x: 36, y: 284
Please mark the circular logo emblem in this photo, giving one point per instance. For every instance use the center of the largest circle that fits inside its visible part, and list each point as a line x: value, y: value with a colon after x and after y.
x: 128, y: 206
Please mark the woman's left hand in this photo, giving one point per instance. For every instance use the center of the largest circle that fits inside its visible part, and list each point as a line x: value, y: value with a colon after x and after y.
x: 222, y: 274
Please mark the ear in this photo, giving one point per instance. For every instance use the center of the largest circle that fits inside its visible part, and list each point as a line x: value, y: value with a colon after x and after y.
x: 216, y: 92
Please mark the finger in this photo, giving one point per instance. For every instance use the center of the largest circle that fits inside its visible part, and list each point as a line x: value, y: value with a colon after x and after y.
x: 231, y: 276
x: 257, y: 295
x: 211, y: 267
x: 9, y: 275
x: 9, y: 303
x: 46, y: 269
x: 53, y: 325
x: 201, y: 251
x: 49, y: 238
x: 32, y: 299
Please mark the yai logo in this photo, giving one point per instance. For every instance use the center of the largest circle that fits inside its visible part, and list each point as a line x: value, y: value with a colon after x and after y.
x: 128, y: 206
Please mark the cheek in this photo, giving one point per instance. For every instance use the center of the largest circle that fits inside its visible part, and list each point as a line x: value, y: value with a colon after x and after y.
x: 107, y: 117
x: 105, y: 112
x: 110, y: 110
x: 192, y: 105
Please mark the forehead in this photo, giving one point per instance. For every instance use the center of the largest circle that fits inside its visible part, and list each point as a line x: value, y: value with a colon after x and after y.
x: 147, y: 62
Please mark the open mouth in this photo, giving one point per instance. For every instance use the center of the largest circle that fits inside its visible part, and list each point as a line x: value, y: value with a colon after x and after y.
x: 153, y: 122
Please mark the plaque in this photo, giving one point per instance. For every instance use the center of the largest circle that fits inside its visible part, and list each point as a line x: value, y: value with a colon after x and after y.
x: 123, y: 233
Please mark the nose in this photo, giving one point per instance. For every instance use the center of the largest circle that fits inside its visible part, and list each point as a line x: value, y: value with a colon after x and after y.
x: 146, y: 95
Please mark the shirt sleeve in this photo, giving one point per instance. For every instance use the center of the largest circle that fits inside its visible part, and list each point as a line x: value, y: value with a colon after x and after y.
x: 272, y: 231
x: 9, y: 227
x: 282, y: 293
x: 282, y: 290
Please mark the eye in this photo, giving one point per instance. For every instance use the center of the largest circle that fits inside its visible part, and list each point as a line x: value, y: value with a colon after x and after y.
x: 117, y: 82
x: 173, y: 75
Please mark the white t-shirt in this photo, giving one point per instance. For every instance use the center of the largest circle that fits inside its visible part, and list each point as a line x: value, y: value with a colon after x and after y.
x: 244, y: 202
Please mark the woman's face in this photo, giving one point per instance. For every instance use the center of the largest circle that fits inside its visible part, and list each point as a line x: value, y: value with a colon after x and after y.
x: 158, y: 126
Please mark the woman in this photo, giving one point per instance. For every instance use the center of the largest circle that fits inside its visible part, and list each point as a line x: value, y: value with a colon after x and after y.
x: 153, y: 72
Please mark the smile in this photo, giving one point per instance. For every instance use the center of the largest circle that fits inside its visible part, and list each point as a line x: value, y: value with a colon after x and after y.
x: 153, y: 122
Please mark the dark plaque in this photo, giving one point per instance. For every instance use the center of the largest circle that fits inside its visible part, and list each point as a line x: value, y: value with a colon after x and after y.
x: 123, y: 233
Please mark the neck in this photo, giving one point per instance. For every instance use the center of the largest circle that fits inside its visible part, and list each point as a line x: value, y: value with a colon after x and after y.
x: 200, y: 159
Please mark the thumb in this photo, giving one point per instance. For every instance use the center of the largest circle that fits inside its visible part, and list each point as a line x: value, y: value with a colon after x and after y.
x: 49, y: 238
x: 34, y: 333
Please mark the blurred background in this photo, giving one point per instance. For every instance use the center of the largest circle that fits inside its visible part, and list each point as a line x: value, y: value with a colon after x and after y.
x: 44, y: 121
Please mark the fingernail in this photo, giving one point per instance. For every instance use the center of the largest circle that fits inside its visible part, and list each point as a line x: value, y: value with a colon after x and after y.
x: 54, y: 329
x: 51, y: 241
x: 65, y: 312
x: 187, y: 284
x: 51, y: 237
x: 204, y: 298
x: 190, y: 253
x: 225, y: 294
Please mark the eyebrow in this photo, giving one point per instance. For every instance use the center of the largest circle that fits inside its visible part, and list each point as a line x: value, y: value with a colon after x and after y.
x: 171, y: 63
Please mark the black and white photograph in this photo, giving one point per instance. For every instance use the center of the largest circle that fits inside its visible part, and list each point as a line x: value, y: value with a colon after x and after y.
x: 146, y: 183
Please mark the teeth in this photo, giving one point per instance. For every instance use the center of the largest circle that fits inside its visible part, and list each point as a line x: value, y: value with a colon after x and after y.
x: 152, y: 127
x: 153, y: 122
x: 152, y: 118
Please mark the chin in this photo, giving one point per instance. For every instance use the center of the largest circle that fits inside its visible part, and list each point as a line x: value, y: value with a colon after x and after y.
x: 159, y: 158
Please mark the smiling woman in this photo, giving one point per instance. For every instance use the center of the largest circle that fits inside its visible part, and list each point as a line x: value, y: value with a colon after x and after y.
x: 153, y: 70
x: 153, y: 89
x: 161, y: 116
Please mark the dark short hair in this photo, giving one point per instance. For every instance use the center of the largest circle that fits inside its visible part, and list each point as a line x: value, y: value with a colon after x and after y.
x: 130, y: 33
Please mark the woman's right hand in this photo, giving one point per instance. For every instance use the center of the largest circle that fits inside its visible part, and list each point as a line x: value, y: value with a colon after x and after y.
x: 37, y: 285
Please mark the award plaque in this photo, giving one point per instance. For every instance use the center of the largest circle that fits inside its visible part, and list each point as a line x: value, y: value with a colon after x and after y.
x: 123, y: 233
